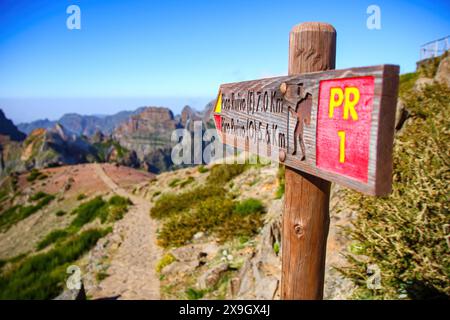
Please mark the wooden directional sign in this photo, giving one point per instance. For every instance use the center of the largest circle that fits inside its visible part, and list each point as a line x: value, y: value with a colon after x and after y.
x: 337, y: 125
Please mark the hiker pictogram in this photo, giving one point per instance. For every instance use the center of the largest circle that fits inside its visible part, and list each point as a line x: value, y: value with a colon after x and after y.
x: 302, y: 113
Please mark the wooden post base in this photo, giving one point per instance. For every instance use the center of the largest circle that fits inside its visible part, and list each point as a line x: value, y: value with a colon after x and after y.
x: 305, y: 231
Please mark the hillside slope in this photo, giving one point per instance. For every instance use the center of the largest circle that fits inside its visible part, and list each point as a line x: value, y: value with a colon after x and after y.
x: 404, y: 237
x: 53, y: 218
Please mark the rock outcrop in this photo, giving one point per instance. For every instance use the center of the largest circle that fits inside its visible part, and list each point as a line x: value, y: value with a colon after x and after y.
x: 45, y: 148
x: 443, y: 71
x: 54, y: 147
x: 149, y: 135
x: 260, y: 276
x: 188, y: 117
x: 8, y: 129
x: 10, y: 139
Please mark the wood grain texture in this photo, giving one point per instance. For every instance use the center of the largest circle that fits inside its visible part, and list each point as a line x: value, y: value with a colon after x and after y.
x: 306, y: 212
x: 305, y: 231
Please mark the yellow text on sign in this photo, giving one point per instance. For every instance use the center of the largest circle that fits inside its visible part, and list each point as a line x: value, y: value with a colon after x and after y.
x: 341, y: 135
x: 347, y: 98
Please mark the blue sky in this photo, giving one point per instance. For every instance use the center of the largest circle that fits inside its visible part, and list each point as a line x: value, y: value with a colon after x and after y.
x: 133, y: 53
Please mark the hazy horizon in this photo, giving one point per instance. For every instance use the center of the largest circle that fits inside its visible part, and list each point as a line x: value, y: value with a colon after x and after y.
x: 54, y: 108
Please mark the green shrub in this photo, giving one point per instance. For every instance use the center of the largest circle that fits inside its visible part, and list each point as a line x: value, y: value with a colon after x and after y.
x: 249, y: 206
x: 119, y: 201
x: 3, y: 194
x: 38, y: 196
x: 18, y: 258
x: 207, y: 208
x: 42, y: 276
x: 168, y: 204
x: 113, y: 210
x: 276, y: 248
x: 222, y: 173
x: 36, y: 175
x: 193, y: 294
x: 186, y: 182
x: 115, y: 213
x: 174, y: 183
x: 407, y: 82
x: 51, y: 238
x: 101, y: 276
x: 88, y: 211
x: 216, y: 215
x: 117, y: 207
x: 157, y: 193
x: 202, y: 169
x: 60, y: 213
x: 166, y: 260
x: 403, y: 233
x: 81, y: 196
x: 18, y: 213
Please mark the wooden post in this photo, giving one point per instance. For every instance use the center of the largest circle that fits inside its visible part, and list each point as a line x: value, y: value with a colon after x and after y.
x: 312, y: 47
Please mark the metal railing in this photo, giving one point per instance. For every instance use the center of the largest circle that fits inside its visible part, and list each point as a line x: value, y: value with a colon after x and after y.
x: 434, y: 48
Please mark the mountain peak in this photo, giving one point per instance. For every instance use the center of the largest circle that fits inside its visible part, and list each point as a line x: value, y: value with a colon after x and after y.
x: 7, y: 128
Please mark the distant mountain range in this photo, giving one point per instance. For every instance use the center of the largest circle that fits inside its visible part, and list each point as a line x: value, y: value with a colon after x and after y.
x: 138, y: 139
x: 82, y: 124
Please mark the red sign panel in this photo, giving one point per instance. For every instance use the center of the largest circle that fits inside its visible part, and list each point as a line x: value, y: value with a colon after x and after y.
x: 343, y: 126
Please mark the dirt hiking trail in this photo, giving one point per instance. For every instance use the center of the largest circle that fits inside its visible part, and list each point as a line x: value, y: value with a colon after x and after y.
x: 132, y: 272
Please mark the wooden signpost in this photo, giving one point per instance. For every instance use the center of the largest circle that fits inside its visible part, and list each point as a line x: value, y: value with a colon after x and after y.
x: 325, y: 126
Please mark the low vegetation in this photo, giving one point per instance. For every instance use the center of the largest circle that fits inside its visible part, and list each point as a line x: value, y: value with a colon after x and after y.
x: 97, y: 208
x: 18, y: 213
x: 38, y: 196
x: 169, y: 204
x: 81, y: 196
x: 208, y: 209
x: 166, y: 260
x: 222, y: 173
x: 101, y: 276
x: 404, y: 234
x: 60, y: 213
x: 248, y: 206
x: 35, y: 174
x: 174, y: 183
x: 106, y: 211
x: 52, y: 237
x: 187, y: 182
x: 42, y: 276
x: 3, y: 195
x: 202, y: 169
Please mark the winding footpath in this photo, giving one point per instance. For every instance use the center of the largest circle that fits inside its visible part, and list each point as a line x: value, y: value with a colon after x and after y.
x: 132, y: 274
